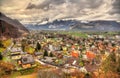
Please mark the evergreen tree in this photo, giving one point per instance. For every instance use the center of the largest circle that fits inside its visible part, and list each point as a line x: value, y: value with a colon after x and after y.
x: 14, y: 42
x: 23, y: 44
x: 45, y: 53
x: 61, y: 48
x: 38, y: 47
x: 87, y: 75
x: 51, y: 54
x: 23, y: 47
x: 1, y: 57
x: 1, y: 45
x: 3, y: 28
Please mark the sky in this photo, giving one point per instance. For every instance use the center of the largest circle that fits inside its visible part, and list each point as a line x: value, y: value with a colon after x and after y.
x: 32, y: 11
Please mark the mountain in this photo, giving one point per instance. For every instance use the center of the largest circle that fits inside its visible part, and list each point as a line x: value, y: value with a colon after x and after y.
x: 11, y: 28
x: 55, y: 25
x: 97, y: 25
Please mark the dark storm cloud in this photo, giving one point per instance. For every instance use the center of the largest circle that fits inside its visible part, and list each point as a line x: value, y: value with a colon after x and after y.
x: 80, y: 4
x: 116, y: 7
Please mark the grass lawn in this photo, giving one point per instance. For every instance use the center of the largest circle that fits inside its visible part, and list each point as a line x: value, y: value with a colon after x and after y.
x: 15, y: 74
x: 83, y: 35
x: 74, y: 33
x: 6, y: 59
x: 27, y: 73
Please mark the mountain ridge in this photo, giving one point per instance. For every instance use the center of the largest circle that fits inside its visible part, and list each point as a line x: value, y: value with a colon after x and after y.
x: 11, y: 28
x: 100, y: 25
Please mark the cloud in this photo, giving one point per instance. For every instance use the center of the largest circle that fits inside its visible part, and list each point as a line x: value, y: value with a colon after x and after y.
x: 61, y: 9
x: 38, y: 10
x: 87, y: 3
x: 116, y: 7
x: 12, y: 5
x: 46, y: 4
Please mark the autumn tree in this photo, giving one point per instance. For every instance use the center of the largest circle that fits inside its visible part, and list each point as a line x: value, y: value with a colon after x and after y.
x: 111, y: 64
x: 5, y: 68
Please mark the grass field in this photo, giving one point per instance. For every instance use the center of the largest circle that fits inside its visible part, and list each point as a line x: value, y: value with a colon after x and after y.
x: 75, y: 33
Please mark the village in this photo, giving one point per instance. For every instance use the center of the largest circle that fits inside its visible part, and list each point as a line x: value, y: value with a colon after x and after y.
x: 62, y: 51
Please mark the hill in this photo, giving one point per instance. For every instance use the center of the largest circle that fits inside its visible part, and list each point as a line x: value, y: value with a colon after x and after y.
x: 11, y: 28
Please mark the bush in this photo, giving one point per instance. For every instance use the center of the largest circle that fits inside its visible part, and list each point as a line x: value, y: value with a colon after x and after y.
x: 27, y: 71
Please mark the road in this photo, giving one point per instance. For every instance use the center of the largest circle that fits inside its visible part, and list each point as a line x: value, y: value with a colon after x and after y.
x: 45, y: 63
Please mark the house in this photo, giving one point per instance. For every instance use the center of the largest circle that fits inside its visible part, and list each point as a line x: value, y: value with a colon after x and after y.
x: 15, y: 55
x: 26, y: 61
x: 117, y: 36
x: 38, y: 55
x: 73, y: 61
x: 75, y: 54
x: 90, y: 55
x: 23, y: 53
x: 51, y: 48
x: 49, y: 59
x: 16, y: 49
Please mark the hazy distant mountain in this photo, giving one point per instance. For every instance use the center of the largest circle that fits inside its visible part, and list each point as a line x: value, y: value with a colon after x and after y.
x: 98, y: 25
x: 55, y: 25
x: 11, y: 27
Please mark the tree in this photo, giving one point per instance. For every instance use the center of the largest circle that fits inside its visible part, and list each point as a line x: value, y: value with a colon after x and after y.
x: 1, y: 45
x: 87, y: 75
x: 3, y: 28
x: 111, y: 64
x: 14, y: 42
x: 1, y: 57
x: 38, y: 46
x: 5, y: 68
x: 118, y: 64
x: 51, y: 54
x: 45, y: 53
x: 61, y: 48
x: 23, y: 47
